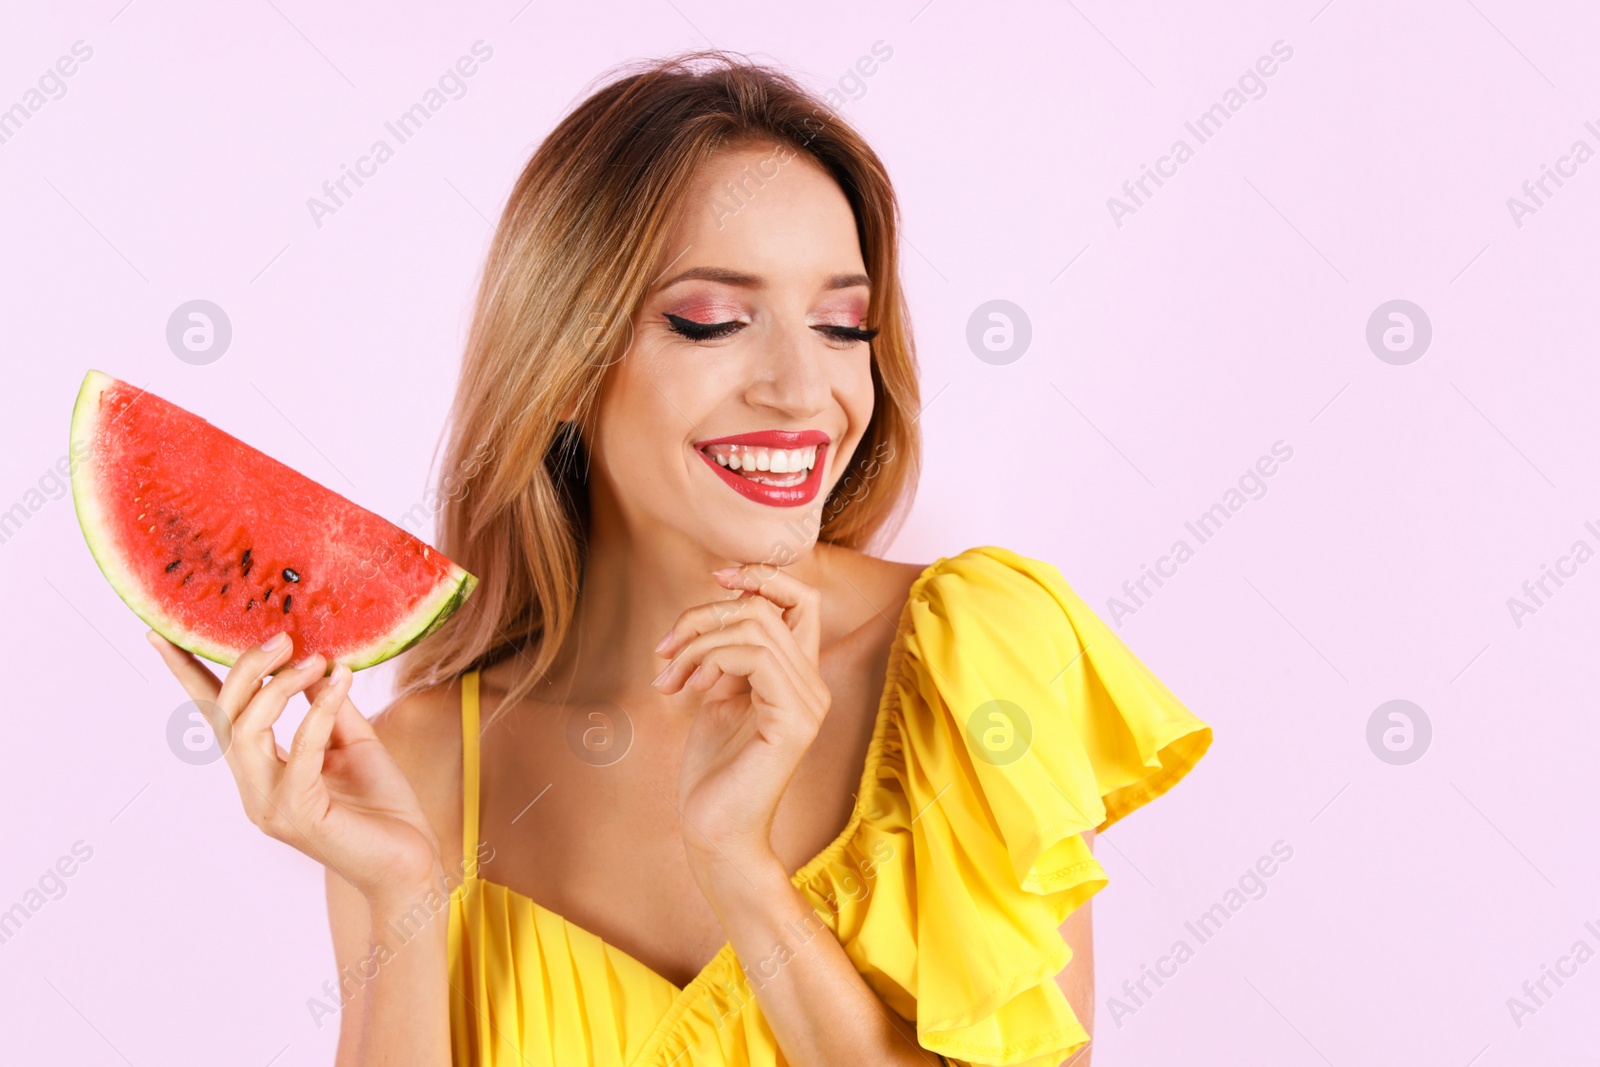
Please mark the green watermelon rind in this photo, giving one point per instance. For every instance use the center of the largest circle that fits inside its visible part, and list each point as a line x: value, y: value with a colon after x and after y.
x: 420, y: 623
x: 427, y: 617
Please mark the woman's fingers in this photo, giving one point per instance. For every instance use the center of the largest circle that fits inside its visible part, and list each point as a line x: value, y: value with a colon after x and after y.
x: 279, y: 787
x: 784, y: 712
x: 791, y: 604
x: 800, y: 603
x: 775, y: 614
x: 244, y: 677
x: 791, y: 627
x: 206, y: 689
x: 349, y: 725
x: 303, y: 771
x: 746, y: 631
x: 704, y: 661
x: 197, y: 681
x: 252, y: 727
x: 723, y: 614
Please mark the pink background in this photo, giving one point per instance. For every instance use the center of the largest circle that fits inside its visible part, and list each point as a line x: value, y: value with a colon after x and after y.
x: 1227, y: 313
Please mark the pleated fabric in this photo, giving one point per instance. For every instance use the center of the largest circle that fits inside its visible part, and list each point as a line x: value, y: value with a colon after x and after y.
x: 1012, y: 720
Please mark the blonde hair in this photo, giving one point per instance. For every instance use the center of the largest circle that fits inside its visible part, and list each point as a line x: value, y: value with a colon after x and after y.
x: 569, y: 265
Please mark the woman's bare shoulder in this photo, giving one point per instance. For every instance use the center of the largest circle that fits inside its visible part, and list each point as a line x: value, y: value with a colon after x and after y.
x: 415, y: 726
x: 884, y: 582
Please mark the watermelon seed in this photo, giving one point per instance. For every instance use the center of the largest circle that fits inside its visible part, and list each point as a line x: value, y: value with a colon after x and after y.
x: 186, y: 578
x: 224, y: 589
x: 286, y: 601
x: 173, y: 566
x: 268, y: 596
x: 245, y: 564
x: 290, y: 576
x: 250, y: 605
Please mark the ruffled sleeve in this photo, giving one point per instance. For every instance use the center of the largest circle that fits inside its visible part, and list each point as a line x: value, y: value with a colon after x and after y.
x: 1018, y: 721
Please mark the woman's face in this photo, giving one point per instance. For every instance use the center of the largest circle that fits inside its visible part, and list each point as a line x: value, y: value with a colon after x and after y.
x: 743, y: 392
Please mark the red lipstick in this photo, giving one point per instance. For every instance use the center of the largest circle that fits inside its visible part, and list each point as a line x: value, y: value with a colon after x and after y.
x: 779, y: 496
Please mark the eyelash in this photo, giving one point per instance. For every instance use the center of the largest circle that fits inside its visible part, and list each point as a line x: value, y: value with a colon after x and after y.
x: 710, y: 331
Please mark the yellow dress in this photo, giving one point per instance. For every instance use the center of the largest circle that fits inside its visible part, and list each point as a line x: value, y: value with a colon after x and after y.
x: 1011, y: 721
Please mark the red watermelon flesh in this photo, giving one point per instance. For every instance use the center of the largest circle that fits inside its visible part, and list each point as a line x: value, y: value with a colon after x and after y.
x: 218, y: 546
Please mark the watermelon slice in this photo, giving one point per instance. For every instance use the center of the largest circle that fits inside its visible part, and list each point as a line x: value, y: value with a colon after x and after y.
x: 218, y: 546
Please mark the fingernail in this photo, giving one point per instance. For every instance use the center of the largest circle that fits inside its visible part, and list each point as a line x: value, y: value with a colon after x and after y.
x: 274, y: 643
x: 657, y: 679
x: 153, y: 637
x: 340, y: 674
x: 725, y: 572
x: 664, y: 639
x: 305, y: 662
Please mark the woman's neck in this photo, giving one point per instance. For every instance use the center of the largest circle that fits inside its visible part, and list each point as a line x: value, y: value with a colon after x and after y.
x: 633, y: 590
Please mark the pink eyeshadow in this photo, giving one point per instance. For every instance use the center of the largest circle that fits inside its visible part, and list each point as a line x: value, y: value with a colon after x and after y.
x: 705, y: 311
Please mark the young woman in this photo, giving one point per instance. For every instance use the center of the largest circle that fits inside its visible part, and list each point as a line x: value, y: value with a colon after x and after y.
x: 744, y: 793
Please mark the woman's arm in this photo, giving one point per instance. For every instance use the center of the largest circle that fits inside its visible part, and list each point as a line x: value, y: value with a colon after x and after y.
x: 1077, y: 978
x: 817, y: 1004
x: 393, y: 963
x: 755, y: 660
x: 819, y: 1007
x: 392, y: 980
x: 339, y: 796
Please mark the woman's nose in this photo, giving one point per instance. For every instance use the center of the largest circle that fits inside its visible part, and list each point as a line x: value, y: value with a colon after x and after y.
x: 791, y: 373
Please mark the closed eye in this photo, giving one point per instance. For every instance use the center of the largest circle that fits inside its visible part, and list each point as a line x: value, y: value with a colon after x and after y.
x: 709, y: 331
x: 701, y: 331
x: 849, y: 333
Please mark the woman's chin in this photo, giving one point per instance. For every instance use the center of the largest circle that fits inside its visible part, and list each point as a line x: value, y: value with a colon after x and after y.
x: 776, y: 541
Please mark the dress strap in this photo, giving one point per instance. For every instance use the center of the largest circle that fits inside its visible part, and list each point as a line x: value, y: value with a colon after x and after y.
x: 469, y: 774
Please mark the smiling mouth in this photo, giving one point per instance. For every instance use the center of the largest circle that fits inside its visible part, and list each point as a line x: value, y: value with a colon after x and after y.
x: 777, y: 468
x: 780, y: 467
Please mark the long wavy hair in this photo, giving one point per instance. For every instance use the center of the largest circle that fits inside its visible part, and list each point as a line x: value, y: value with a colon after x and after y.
x: 570, y: 263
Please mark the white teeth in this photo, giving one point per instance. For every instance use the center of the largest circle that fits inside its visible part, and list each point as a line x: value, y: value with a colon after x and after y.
x: 791, y: 461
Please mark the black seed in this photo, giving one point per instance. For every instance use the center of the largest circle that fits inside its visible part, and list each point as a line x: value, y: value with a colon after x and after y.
x: 250, y: 605
x: 268, y: 596
x: 286, y: 602
x: 186, y: 578
x: 196, y: 537
x: 246, y: 563
x: 173, y: 565
x: 224, y: 589
x: 290, y: 576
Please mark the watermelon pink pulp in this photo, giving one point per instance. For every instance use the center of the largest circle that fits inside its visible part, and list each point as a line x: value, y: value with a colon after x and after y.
x: 218, y: 546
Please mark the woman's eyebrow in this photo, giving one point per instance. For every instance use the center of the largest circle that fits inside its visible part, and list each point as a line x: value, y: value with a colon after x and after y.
x: 755, y: 281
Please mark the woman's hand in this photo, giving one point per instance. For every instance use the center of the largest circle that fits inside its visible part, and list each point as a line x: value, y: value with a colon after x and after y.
x: 755, y: 659
x: 336, y: 795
